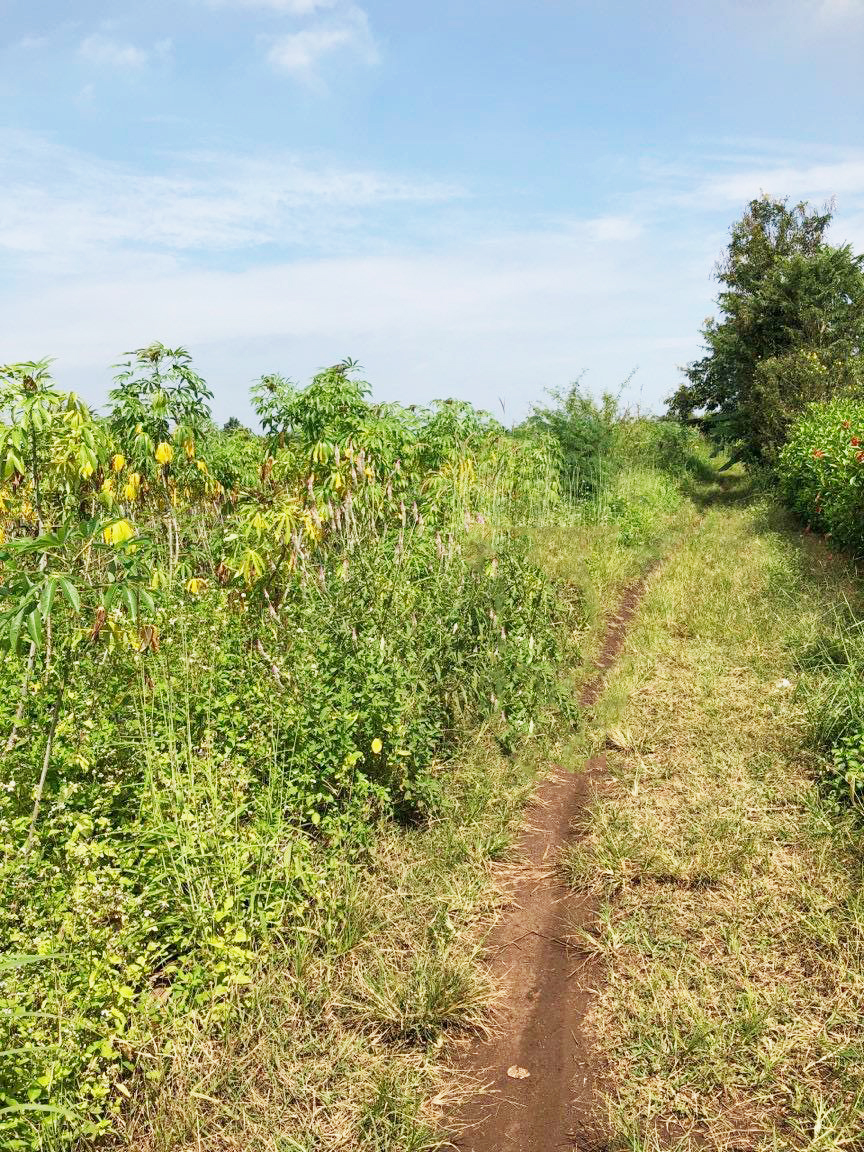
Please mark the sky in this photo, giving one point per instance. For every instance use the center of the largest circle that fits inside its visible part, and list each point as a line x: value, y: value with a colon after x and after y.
x: 475, y: 198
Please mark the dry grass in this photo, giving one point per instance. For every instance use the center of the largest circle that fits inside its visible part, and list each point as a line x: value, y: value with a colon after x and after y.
x: 732, y: 910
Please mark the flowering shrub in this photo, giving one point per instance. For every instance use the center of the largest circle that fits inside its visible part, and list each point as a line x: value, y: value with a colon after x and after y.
x: 821, y: 469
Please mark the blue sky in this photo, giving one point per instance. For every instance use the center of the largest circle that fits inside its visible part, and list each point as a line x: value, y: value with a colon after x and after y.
x: 481, y: 199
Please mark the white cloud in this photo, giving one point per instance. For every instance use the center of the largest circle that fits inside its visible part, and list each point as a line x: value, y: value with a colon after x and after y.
x: 31, y: 43
x: 104, y: 50
x: 815, y: 182
x: 478, y: 320
x: 281, y: 263
x: 57, y: 203
x: 614, y: 228
x: 290, y: 7
x: 837, y: 9
x: 301, y: 53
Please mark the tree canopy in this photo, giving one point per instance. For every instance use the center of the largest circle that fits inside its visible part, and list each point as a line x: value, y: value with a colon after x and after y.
x: 791, y: 329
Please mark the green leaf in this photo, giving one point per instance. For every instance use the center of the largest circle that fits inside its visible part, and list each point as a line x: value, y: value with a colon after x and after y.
x: 46, y: 600
x: 34, y: 627
x: 70, y: 592
x: 131, y: 602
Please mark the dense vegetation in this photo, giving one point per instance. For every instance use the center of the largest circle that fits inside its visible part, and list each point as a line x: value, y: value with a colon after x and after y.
x: 791, y: 330
x: 782, y: 388
x: 227, y: 658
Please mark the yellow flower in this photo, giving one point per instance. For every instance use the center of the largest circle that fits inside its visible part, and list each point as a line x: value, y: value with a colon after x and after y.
x: 118, y: 462
x: 132, y: 488
x: 377, y: 746
x: 164, y: 453
x: 118, y: 532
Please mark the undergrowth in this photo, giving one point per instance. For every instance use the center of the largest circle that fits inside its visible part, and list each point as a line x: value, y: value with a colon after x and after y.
x: 271, y: 703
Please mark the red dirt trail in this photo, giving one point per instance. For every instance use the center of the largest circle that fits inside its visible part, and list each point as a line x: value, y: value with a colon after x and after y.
x: 546, y: 982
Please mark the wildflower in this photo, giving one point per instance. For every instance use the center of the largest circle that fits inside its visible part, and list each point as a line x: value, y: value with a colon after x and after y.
x: 118, y: 462
x: 818, y: 453
x: 855, y: 440
x: 118, y: 532
x: 164, y: 453
x: 377, y: 746
x: 845, y: 424
x: 859, y: 456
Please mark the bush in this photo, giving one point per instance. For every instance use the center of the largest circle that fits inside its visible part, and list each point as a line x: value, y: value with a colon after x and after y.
x: 219, y: 674
x: 821, y: 470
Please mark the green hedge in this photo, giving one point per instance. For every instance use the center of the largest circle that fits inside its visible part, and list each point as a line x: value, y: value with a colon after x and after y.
x: 821, y: 470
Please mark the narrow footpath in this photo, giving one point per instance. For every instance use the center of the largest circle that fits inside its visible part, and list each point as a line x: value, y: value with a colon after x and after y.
x: 537, y: 1068
x: 683, y: 963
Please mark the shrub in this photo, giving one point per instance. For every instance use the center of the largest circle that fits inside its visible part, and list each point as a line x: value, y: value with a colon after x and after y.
x: 224, y: 660
x: 821, y: 470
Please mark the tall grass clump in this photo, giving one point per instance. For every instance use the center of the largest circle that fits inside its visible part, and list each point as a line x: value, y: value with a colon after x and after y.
x: 617, y: 470
x: 226, y: 660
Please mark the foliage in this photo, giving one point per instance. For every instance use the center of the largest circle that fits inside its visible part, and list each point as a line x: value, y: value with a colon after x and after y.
x: 224, y: 658
x: 790, y: 329
x: 821, y: 469
x: 594, y: 440
x: 583, y: 430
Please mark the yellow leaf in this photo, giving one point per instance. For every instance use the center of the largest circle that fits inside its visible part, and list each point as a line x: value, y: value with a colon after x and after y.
x: 164, y: 453
x: 132, y: 488
x: 118, y: 462
x: 118, y: 532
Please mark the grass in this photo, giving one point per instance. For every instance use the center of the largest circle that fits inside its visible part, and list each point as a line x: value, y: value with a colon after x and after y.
x: 340, y: 1046
x: 731, y: 915
x: 348, y: 1042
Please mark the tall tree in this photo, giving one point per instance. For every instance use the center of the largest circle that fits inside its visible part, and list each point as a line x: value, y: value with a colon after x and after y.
x: 791, y: 329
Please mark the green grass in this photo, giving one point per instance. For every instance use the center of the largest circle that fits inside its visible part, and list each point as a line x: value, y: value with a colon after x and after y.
x: 340, y: 1044
x: 731, y: 920
x: 347, y: 1041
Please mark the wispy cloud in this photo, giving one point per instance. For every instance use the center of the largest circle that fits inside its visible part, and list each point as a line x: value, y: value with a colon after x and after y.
x: 59, y: 202
x: 290, y: 7
x: 302, y: 53
x: 837, y: 9
x: 719, y: 180
x: 111, y: 53
x: 289, y: 263
x: 31, y: 43
x: 812, y: 182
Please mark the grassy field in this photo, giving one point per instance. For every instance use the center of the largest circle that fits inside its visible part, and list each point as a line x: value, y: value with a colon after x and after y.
x: 731, y: 923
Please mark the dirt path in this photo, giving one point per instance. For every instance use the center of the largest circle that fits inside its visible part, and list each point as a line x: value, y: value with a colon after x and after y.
x: 546, y: 983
